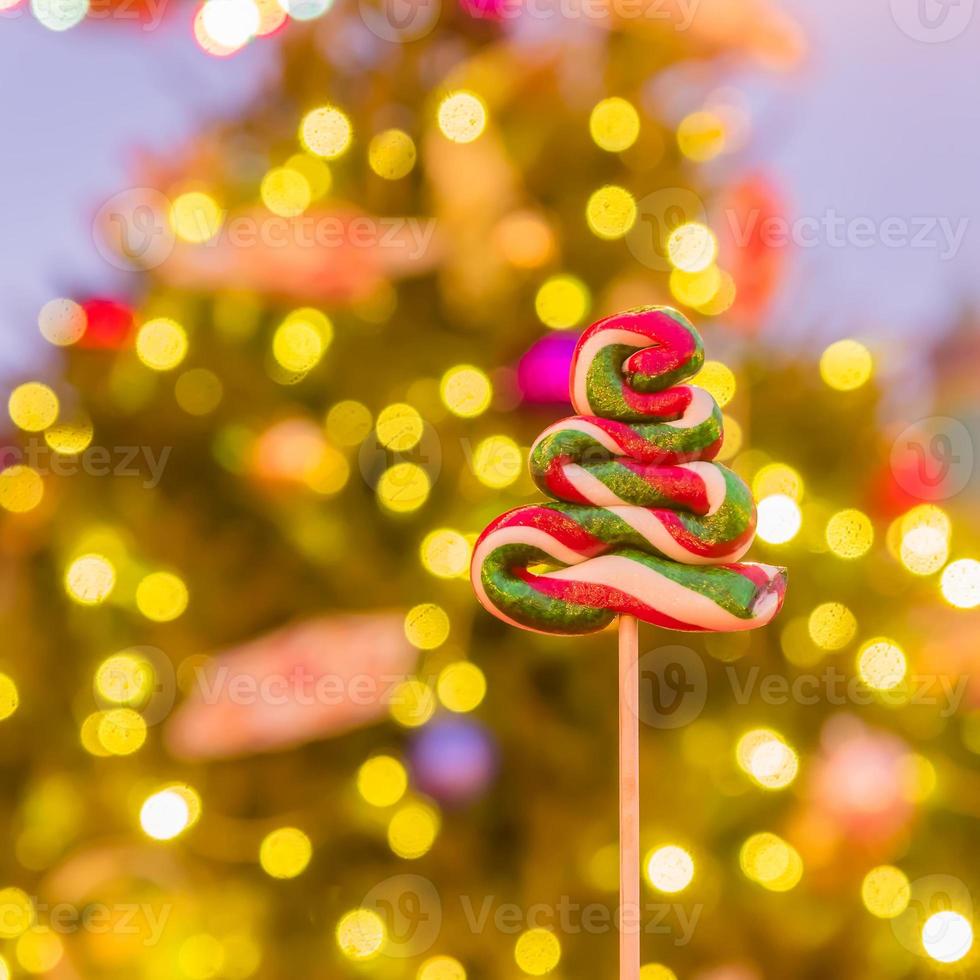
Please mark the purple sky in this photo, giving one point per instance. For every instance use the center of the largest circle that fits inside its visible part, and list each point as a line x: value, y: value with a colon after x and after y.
x: 878, y: 131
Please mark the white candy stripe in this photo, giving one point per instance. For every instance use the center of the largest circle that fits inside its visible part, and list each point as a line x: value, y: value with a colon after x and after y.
x: 644, y: 522
x: 578, y: 424
x: 714, y: 482
x: 587, y: 353
x: 700, y: 409
x: 591, y: 487
x: 661, y: 593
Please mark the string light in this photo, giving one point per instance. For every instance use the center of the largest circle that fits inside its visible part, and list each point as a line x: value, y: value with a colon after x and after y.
x: 462, y: 117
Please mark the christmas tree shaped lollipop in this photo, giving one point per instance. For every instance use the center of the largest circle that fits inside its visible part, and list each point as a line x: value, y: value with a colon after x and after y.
x: 646, y: 527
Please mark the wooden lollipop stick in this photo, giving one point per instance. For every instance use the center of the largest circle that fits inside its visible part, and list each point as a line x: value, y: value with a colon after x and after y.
x: 629, y: 802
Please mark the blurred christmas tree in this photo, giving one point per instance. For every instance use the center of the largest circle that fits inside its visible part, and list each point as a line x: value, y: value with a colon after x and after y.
x: 324, y: 382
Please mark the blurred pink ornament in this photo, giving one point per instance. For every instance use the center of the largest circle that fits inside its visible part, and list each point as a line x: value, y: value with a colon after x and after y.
x: 861, y: 781
x: 288, y: 451
x: 313, y: 680
x: 542, y: 373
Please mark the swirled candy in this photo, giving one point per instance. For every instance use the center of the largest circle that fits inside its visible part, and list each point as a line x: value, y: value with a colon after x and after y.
x: 645, y: 524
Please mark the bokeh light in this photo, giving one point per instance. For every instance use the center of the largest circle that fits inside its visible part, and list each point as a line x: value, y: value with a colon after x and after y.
x: 230, y: 23
x: 161, y: 344
x: 764, y: 755
x: 165, y: 814
x: 445, y: 553
x: 701, y: 136
x: 427, y: 626
x: 21, y: 489
x: 777, y: 478
x: 198, y: 391
x: 90, y: 579
x: 846, y: 365
x: 121, y: 731
x: 461, y: 686
x: 412, y: 703
x: 537, y: 952
x: 614, y: 124
x: 881, y: 664
x: 301, y: 340
x: 718, y: 379
x: 33, y: 406
x: 195, y: 216
x: 349, y: 422
x: 18, y: 912
x: 466, y: 391
x: 360, y: 934
x: 947, y: 936
x: 692, y: 247
x: 441, y: 968
x: 392, y: 154
x: 59, y: 15
x: 9, y: 696
x: 39, y: 950
x: 562, y: 302
x: 285, y: 852
x: 403, y: 488
x: 611, y: 212
x: 885, y: 891
x: 126, y: 679
x: 326, y: 132
x: 413, y: 829
x: 779, y: 518
x: 849, y: 533
x: 161, y: 596
x: 399, y: 427
x: 771, y: 862
x: 284, y: 191
x: 497, y: 461
x: 382, y: 781
x: 832, y: 626
x: 960, y: 583
x: 669, y: 868
x: 62, y: 322
x: 462, y: 117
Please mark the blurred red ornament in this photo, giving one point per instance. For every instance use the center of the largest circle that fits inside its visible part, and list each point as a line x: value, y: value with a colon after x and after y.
x: 110, y: 324
x: 862, y: 783
x: 313, y: 680
x: 752, y: 247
